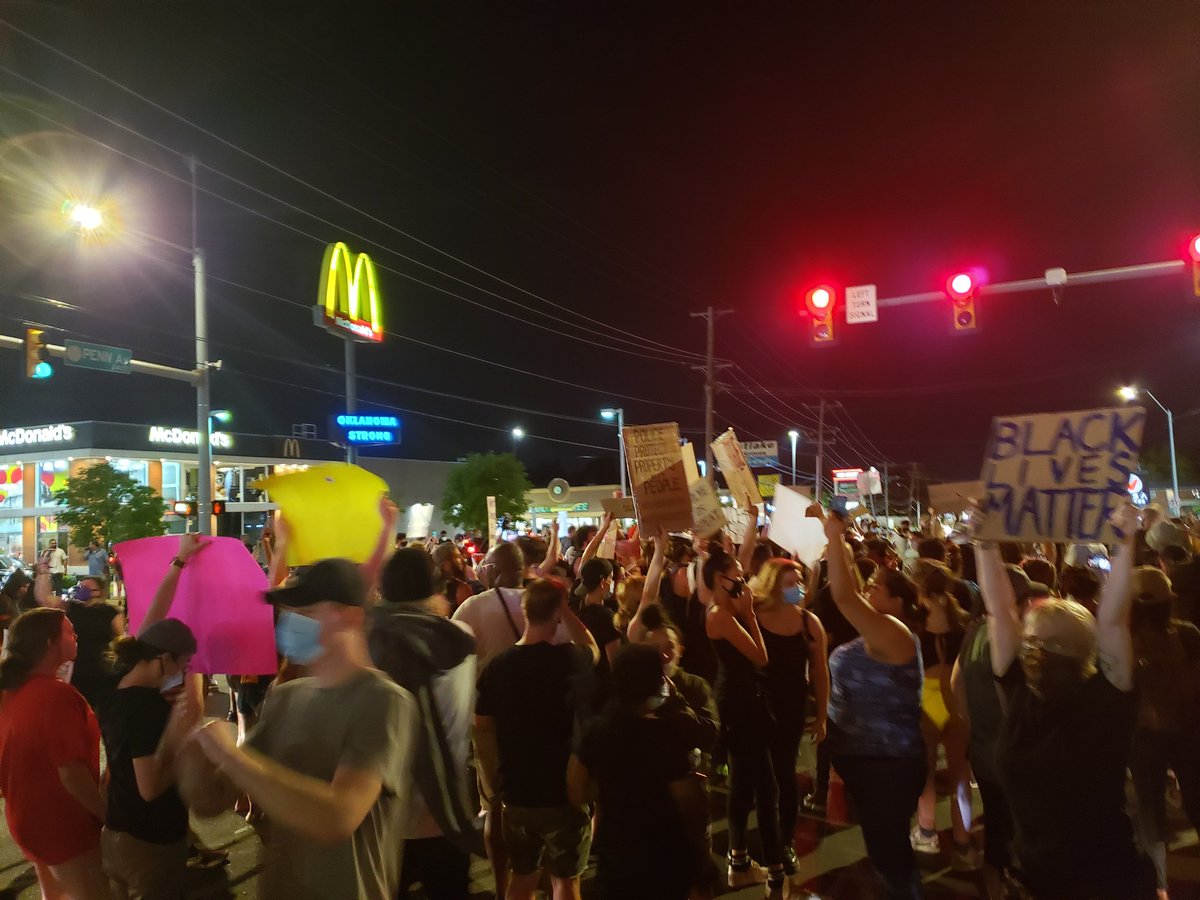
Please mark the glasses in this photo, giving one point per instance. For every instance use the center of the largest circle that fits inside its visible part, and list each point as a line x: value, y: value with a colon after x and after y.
x: 735, y: 585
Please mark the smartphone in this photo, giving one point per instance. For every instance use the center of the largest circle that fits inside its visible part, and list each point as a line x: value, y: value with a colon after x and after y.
x: 1101, y: 562
x: 838, y: 507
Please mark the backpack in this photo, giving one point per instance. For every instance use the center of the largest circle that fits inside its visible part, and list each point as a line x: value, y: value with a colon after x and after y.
x: 1168, y: 701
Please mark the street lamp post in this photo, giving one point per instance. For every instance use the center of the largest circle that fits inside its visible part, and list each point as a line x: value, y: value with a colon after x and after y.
x: 794, y: 436
x: 619, y: 414
x: 90, y: 218
x: 1131, y: 393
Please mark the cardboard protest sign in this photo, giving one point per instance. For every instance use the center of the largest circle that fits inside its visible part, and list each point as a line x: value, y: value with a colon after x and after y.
x: 660, y: 490
x: 608, y: 544
x: 688, y: 451
x: 736, y: 470
x: 1059, y: 476
x: 618, y: 507
x: 953, y: 496
x: 331, y: 510
x: 767, y: 485
x: 707, y: 517
x: 799, y: 534
x: 219, y: 596
x: 493, y: 522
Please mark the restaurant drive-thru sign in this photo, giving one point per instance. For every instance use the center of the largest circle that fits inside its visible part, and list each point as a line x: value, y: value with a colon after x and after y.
x: 348, y: 302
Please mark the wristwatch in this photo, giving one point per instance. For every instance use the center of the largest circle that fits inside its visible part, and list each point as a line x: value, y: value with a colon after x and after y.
x: 178, y: 563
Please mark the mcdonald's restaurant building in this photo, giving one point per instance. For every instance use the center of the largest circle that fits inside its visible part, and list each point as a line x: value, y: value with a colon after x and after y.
x: 37, y: 460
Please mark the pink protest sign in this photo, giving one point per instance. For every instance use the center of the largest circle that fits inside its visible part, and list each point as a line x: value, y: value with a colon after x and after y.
x: 219, y: 596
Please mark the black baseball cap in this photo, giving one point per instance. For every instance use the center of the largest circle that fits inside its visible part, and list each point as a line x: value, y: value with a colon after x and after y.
x: 332, y: 580
x: 170, y: 636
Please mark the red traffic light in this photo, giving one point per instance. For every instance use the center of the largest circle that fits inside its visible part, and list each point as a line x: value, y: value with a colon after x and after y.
x: 819, y: 300
x: 960, y: 287
x: 821, y: 303
x: 1194, y: 249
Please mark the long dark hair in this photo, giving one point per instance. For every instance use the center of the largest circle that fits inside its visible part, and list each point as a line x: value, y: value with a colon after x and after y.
x: 127, y: 651
x: 718, y: 561
x: 29, y: 641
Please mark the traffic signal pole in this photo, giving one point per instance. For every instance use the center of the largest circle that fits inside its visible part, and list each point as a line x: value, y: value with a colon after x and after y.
x: 710, y: 368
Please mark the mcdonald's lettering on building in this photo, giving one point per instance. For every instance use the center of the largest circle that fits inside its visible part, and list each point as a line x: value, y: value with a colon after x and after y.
x: 348, y: 301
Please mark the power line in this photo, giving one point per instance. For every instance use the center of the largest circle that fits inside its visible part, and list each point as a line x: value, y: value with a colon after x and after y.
x: 331, y: 197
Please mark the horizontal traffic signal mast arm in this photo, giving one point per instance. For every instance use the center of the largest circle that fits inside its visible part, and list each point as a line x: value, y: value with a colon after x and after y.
x: 1054, y: 278
x: 191, y: 376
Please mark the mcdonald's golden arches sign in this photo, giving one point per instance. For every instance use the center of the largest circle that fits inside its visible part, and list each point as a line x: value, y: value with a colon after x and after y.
x: 348, y: 302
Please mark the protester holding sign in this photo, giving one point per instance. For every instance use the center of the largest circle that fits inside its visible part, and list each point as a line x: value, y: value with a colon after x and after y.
x: 1067, y: 730
x: 875, y: 712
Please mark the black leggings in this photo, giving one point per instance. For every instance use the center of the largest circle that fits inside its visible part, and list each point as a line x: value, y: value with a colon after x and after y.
x: 885, y: 791
x: 785, y: 747
x: 752, y: 786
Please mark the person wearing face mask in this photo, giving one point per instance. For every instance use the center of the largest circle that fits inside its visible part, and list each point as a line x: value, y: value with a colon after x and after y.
x: 1065, y: 738
x: 458, y: 587
x: 97, y: 622
x: 746, y: 720
x: 1167, y: 651
x: 594, y: 612
x: 795, y: 643
x: 644, y: 845
x: 875, y: 711
x: 330, y: 760
x: 145, y: 838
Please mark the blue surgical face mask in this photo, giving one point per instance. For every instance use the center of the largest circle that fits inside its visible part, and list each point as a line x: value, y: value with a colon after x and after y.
x: 793, y: 595
x: 170, y: 682
x: 298, y: 637
x: 83, y: 593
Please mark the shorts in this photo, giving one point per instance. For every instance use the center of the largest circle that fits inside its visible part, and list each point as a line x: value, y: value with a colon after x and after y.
x: 252, y: 693
x: 554, y: 838
x: 933, y: 703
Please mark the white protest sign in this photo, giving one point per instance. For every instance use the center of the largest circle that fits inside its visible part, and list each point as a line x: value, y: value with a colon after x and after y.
x: 660, y: 490
x: 800, y: 535
x: 706, y: 506
x: 737, y: 521
x: 1059, y: 476
x: 492, y: 523
x: 736, y: 470
x: 608, y: 545
x: 861, y: 304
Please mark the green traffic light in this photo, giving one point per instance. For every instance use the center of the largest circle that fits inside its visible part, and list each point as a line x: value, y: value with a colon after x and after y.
x: 43, y: 370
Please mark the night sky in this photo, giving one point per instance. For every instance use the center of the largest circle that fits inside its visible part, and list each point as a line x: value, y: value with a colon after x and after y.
x: 550, y: 189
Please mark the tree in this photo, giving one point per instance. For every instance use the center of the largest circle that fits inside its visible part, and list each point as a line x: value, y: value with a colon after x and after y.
x: 485, y: 475
x: 108, y: 506
x: 1155, y: 464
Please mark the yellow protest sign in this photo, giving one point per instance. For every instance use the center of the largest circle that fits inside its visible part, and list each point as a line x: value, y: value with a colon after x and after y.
x: 331, y: 510
x: 735, y: 469
x: 767, y: 485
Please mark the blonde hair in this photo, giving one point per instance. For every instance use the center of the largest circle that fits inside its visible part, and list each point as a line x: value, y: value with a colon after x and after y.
x: 629, y: 598
x: 766, y: 584
x: 1074, y: 629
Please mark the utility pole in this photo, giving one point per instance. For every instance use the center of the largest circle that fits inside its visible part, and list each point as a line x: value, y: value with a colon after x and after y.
x: 710, y: 369
x: 887, y: 503
x: 914, y: 486
x: 820, y: 453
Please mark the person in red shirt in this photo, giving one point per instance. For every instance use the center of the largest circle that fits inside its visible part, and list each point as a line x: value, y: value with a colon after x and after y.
x: 50, y: 760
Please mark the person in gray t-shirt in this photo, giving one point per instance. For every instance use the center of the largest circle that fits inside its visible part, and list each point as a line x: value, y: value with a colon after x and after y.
x: 329, y: 762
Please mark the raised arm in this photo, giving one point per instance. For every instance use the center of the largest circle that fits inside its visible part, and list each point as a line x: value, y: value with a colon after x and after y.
x: 370, y: 570
x: 749, y: 539
x: 593, y: 546
x: 1004, y: 628
x: 652, y: 585
x: 277, y: 572
x: 189, y: 545
x: 1113, y: 642
x: 887, y: 638
x: 552, y: 551
x: 43, y: 593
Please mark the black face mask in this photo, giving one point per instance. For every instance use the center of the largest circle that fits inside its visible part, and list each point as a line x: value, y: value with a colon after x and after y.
x: 1053, y: 677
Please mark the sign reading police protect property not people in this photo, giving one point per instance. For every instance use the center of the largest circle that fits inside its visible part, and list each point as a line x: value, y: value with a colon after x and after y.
x: 660, y: 490
x: 1059, y: 476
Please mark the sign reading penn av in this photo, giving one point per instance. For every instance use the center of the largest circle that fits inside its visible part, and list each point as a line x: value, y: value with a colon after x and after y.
x: 348, y: 302
x: 364, y: 429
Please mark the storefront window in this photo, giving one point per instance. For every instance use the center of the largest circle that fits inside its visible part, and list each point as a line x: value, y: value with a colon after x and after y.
x: 12, y: 487
x: 171, y: 476
x: 52, y: 476
x: 48, y: 528
x: 11, y: 541
x: 137, y: 469
x: 251, y: 474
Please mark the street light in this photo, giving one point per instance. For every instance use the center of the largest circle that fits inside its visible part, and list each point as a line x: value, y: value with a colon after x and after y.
x: 794, y: 436
x: 1127, y: 393
x: 224, y: 416
x: 517, y: 434
x: 609, y: 415
x: 87, y: 218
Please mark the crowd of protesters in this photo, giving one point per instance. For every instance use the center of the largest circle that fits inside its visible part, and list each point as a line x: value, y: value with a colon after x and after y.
x: 562, y: 702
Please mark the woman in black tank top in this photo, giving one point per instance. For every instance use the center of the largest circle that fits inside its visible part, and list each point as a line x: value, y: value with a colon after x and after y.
x: 796, y: 654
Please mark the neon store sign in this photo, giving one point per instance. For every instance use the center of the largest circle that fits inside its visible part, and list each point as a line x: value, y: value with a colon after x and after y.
x: 358, y: 429
x: 182, y: 437
x: 348, y: 301
x: 42, y: 434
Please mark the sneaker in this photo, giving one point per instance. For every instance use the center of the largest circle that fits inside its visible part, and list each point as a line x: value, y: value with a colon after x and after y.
x: 812, y: 804
x: 743, y: 871
x: 966, y: 859
x: 791, y: 865
x: 923, y: 843
x: 775, y: 883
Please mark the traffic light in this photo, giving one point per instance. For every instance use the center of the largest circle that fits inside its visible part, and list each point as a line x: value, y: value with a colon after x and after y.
x: 37, y: 357
x: 821, y: 303
x: 184, y: 508
x: 218, y: 507
x: 1194, y: 253
x: 961, y: 288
